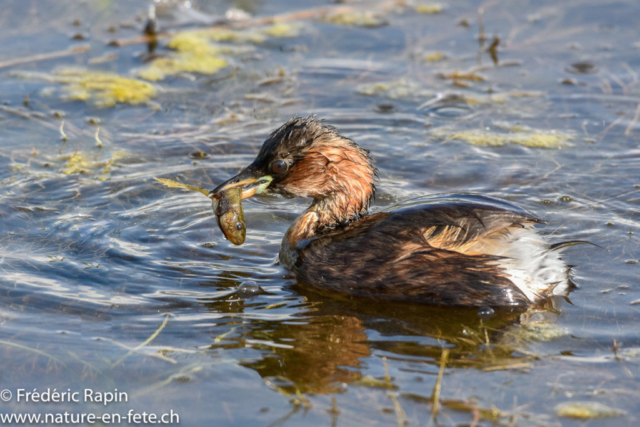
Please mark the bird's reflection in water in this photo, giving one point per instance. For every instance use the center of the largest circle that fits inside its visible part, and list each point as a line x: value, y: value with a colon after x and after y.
x: 325, y: 348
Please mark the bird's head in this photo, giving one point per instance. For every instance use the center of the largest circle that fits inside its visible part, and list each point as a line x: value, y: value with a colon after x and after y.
x: 307, y: 158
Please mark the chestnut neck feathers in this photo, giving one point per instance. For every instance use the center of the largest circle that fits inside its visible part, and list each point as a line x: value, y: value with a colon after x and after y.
x: 324, y: 165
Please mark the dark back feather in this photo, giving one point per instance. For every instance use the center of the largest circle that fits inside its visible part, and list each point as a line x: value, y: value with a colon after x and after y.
x: 416, y: 254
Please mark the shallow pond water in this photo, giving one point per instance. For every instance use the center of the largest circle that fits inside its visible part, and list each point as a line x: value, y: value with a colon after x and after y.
x: 111, y: 281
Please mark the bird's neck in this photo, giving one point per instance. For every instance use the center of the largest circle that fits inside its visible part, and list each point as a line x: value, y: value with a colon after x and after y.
x: 319, y: 219
x: 344, y: 192
x: 331, y: 214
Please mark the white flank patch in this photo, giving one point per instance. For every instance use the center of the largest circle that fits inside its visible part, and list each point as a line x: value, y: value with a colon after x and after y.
x: 537, y: 271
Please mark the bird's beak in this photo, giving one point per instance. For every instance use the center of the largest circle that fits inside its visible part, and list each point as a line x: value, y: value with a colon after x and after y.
x: 249, y: 180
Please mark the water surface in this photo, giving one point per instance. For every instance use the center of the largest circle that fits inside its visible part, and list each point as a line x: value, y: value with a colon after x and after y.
x: 110, y: 281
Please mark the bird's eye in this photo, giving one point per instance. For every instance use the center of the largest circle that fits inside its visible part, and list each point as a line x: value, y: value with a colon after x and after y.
x: 279, y: 166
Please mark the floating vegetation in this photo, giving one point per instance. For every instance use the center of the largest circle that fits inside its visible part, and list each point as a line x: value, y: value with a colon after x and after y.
x: 78, y: 163
x: 587, y: 410
x: 511, y: 127
x: 492, y: 414
x: 459, y: 75
x: 532, y: 138
x: 434, y: 57
x: 220, y: 35
x: 273, y: 80
x: 582, y: 67
x: 508, y: 366
x: 101, y: 88
x: 370, y: 381
x: 194, y: 42
x: 359, y: 19
x: 175, y: 184
x: 276, y: 305
x: 163, y: 67
x: 196, y: 51
x: 454, y: 101
x: 430, y: 8
x: 104, y: 89
x: 264, y: 97
x: 403, y: 89
x: 194, y: 54
x: 282, y: 30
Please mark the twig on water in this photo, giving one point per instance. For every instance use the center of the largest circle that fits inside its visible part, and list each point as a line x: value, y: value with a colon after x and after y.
x: 334, y: 411
x: 387, y: 377
x: 436, y: 389
x: 512, y: 421
x: 481, y: 35
x: 42, y: 56
x: 401, y: 416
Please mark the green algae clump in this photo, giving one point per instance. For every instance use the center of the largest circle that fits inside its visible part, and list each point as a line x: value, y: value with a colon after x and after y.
x: 403, y: 89
x: 359, y: 19
x: 587, y: 410
x: 104, y: 89
x: 434, y: 56
x: 370, y: 381
x: 535, y: 139
x: 77, y: 163
x: 194, y: 54
x: 194, y: 42
x: 429, y: 8
x: 282, y: 30
x: 221, y: 34
x: 163, y: 67
x: 196, y: 51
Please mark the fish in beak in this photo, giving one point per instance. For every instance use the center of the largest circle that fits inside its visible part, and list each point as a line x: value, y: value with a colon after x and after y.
x: 228, y: 211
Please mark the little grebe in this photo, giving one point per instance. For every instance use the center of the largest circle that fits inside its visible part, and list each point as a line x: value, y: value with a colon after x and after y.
x: 468, y: 251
